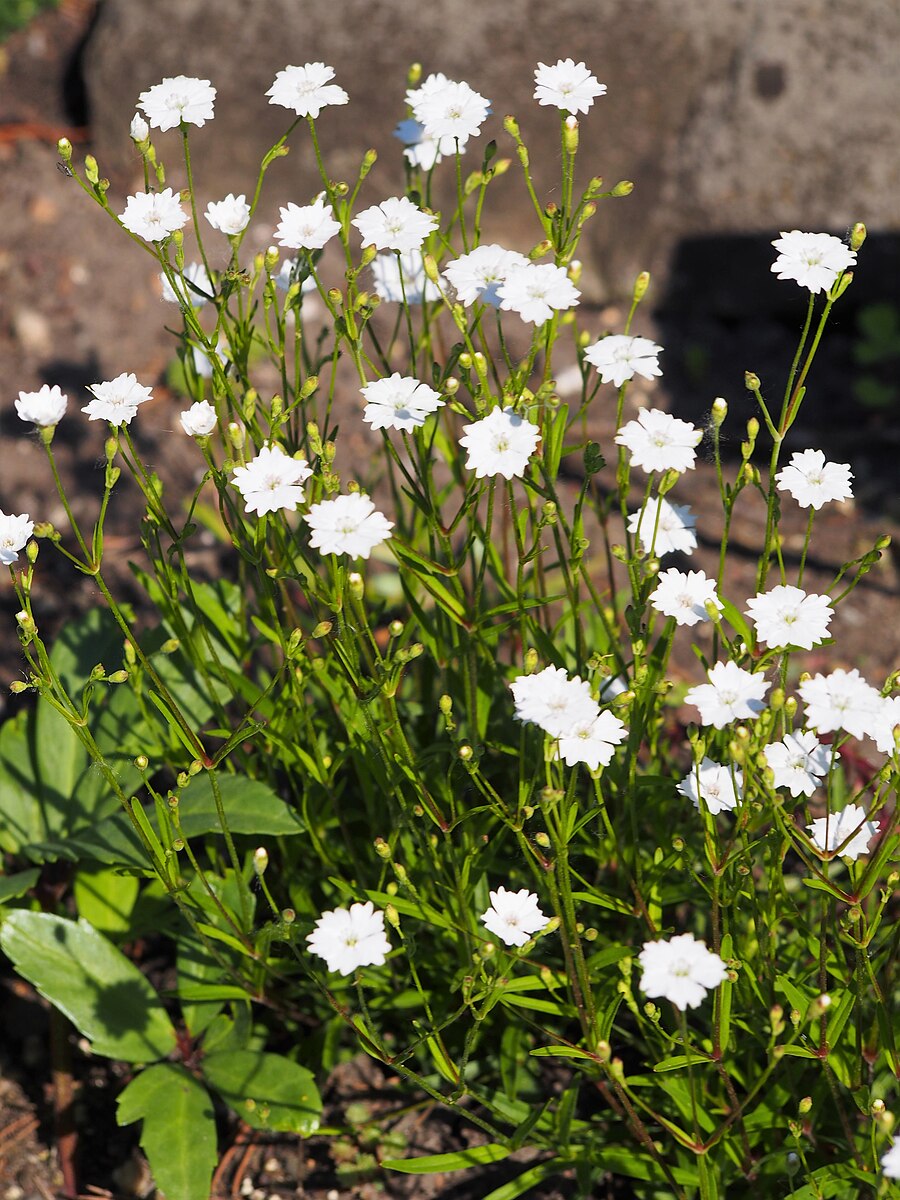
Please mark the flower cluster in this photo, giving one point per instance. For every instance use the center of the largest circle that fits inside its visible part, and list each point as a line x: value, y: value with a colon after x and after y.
x: 565, y: 709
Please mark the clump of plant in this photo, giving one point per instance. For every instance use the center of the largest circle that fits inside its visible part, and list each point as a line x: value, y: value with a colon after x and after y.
x: 413, y: 776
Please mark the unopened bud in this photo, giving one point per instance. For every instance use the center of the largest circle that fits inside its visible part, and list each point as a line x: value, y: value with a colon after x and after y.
x: 140, y: 130
x: 235, y: 434
x: 465, y: 753
x: 260, y: 860
x: 623, y: 188
x: 570, y: 134
x: 64, y: 149
x: 142, y: 762
x: 751, y: 381
x: 857, y: 235
x: 356, y: 585
x: 640, y: 287
x: 804, y: 1106
x: 719, y: 411
x: 118, y: 677
x: 91, y: 170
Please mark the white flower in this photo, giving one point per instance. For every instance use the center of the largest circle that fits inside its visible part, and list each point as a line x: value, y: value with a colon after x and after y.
x: 306, y: 89
x: 45, y: 407
x: 592, y: 742
x: 568, y: 86
x: 229, y: 215
x: 420, y: 150
x: 399, y: 402
x: 660, y: 442
x: 199, y: 420
x: 350, y: 938
x: 287, y: 273
x: 841, y: 700
x: 685, y: 597
x: 619, y: 358
x: 664, y: 528
x: 14, y: 533
x: 815, y: 260
x: 788, y: 616
x: 117, y: 400
x: 797, y: 762
x: 553, y: 701
x: 347, y: 525
x: 832, y: 832
x: 198, y: 287
x: 394, y: 224
x: 153, y: 216
x: 536, y: 292
x: 450, y: 110
x: 182, y: 98
x: 140, y: 130
x: 308, y: 227
x: 478, y: 274
x: 732, y: 694
x: 415, y: 287
x: 514, y: 916
x: 499, y: 444
x: 272, y: 481
x: 682, y: 970
x: 882, y: 726
x: 890, y: 1160
x: 719, y: 787
x: 812, y: 481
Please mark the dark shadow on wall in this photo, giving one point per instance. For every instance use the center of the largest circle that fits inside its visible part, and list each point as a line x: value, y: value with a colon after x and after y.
x: 724, y: 313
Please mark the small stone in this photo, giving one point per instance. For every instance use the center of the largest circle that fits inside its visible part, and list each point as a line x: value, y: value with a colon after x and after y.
x: 32, y: 331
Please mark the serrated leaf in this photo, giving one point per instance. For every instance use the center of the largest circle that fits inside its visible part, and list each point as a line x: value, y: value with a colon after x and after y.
x: 267, y: 1091
x: 457, y: 1160
x: 179, y: 1130
x: 83, y: 974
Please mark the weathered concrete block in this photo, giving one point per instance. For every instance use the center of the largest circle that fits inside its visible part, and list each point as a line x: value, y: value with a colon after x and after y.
x: 727, y: 116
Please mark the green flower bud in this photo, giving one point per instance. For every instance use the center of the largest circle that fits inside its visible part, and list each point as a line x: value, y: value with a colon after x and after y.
x: 857, y: 236
x: 623, y: 188
x: 640, y: 287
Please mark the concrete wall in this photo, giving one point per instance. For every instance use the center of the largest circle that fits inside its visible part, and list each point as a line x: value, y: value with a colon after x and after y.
x: 727, y: 114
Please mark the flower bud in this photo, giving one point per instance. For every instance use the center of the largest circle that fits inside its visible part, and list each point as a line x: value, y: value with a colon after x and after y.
x: 17, y: 687
x: 465, y: 753
x: 288, y: 916
x: 857, y: 235
x: 718, y: 412
x: 64, y: 149
x: 235, y: 434
x: 804, y: 1106
x: 431, y: 268
x: 356, y: 585
x: 570, y: 134
x: 623, y: 188
x: 140, y: 130
x: 511, y: 125
x: 446, y: 705
x: 91, y: 170
x: 640, y: 287
x: 118, y: 677
x: 540, y: 249
x: 260, y: 860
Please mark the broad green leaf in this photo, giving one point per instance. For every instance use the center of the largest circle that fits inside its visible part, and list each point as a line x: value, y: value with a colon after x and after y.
x: 198, y: 970
x: 266, y: 1090
x: 106, y: 898
x: 179, y: 1130
x: 457, y: 1160
x: 250, y: 807
x: 14, y: 886
x: 83, y: 974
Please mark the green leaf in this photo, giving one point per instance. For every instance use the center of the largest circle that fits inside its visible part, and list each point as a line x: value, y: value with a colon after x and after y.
x: 563, y: 1052
x: 250, y: 807
x: 266, y: 1090
x: 457, y: 1160
x: 83, y: 974
x: 179, y: 1130
x: 106, y: 898
x: 14, y: 886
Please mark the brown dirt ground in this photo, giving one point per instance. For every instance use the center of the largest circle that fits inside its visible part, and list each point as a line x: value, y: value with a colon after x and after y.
x: 80, y: 306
